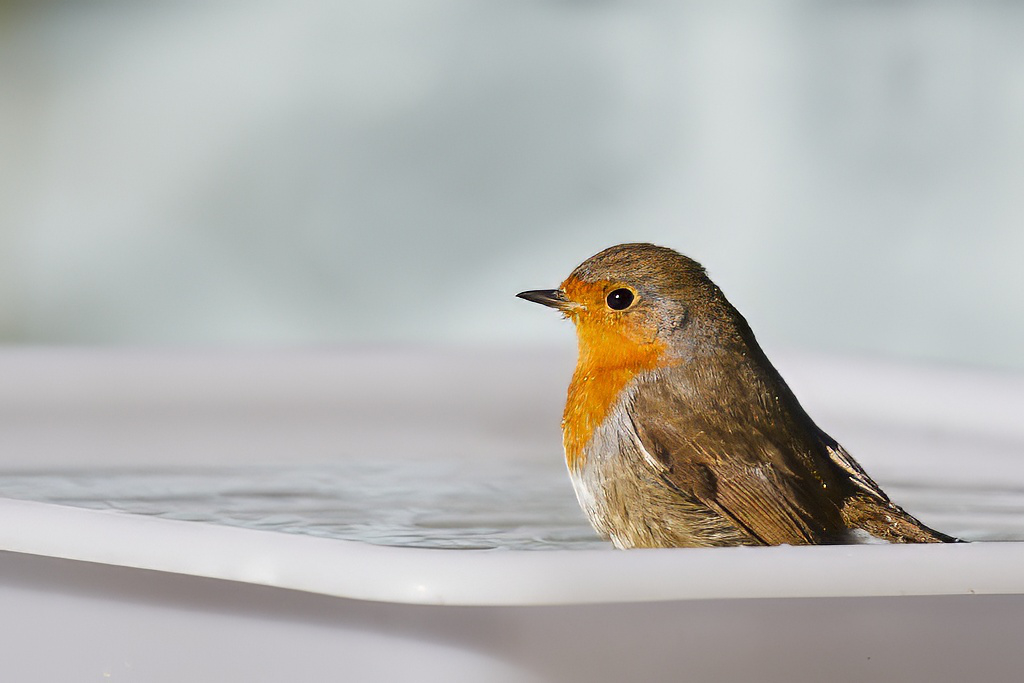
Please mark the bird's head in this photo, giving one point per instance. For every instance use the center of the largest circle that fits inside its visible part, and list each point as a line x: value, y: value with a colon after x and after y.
x: 634, y: 305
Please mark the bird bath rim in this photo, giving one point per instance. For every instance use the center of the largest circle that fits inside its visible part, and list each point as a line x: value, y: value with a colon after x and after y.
x: 363, y: 571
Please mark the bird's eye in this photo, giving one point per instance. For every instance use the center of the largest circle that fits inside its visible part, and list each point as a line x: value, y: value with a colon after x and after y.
x: 619, y: 299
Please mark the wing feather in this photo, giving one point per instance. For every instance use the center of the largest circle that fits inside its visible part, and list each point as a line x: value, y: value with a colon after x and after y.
x: 740, y: 468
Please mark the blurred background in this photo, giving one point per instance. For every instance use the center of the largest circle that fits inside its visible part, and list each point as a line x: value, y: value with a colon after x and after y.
x: 392, y: 172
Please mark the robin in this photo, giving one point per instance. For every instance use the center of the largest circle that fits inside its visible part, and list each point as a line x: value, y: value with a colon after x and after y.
x: 678, y: 431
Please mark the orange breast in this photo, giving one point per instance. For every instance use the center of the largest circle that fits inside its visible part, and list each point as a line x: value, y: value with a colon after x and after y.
x: 609, y: 358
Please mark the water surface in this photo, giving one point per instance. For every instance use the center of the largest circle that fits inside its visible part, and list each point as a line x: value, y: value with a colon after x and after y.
x: 429, y: 503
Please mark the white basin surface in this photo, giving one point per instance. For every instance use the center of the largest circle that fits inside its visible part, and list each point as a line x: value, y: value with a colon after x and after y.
x: 143, y: 597
x: 350, y: 569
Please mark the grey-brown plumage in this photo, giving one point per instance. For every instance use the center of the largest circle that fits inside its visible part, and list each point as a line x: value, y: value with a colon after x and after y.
x: 680, y: 432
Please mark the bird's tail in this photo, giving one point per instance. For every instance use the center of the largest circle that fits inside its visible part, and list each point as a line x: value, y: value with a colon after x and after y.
x: 887, y: 521
x: 868, y: 508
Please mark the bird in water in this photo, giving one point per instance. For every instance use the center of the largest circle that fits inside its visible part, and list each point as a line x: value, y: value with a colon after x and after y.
x: 678, y: 431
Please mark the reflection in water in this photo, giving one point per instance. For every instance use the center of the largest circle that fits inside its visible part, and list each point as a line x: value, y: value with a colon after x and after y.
x: 429, y: 503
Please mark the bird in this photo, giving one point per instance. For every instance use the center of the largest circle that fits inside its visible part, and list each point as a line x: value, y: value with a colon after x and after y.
x: 679, y: 432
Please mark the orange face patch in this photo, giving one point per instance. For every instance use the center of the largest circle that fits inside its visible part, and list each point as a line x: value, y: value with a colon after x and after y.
x: 614, y: 347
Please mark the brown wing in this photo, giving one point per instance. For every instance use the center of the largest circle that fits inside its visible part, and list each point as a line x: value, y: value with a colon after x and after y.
x: 744, y: 465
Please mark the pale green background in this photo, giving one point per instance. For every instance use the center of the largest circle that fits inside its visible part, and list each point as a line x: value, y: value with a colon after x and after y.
x: 318, y: 172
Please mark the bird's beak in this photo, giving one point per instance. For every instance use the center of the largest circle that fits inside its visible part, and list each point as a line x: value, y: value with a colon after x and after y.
x: 553, y: 298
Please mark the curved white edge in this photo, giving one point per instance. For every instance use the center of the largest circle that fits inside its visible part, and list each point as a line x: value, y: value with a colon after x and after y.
x: 362, y: 571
